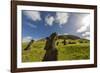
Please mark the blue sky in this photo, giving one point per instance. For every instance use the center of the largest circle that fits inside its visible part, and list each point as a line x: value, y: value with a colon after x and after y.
x: 40, y: 24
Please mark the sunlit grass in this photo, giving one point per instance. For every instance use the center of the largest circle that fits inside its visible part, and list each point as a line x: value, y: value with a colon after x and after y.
x: 78, y: 51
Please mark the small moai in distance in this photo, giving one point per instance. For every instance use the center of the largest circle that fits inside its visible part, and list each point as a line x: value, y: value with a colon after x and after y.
x: 28, y: 46
x: 50, y: 47
x: 64, y: 42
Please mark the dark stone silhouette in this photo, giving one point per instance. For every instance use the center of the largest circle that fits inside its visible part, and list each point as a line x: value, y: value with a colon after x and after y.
x: 57, y: 43
x: 28, y: 46
x: 64, y: 42
x: 50, y: 47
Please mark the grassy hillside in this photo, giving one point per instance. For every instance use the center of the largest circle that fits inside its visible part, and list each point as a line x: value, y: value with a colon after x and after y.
x: 72, y: 37
x: 78, y: 50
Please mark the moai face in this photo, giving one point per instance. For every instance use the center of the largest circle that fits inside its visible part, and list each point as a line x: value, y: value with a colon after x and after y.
x: 53, y: 36
x: 50, y: 41
x: 47, y: 43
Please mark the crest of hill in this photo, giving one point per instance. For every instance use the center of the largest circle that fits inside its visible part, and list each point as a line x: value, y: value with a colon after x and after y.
x: 72, y: 37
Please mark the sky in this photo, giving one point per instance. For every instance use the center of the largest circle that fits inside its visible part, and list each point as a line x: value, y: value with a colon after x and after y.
x: 40, y: 24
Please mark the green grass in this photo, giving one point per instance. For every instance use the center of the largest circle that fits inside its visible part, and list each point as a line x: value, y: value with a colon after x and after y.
x: 78, y: 51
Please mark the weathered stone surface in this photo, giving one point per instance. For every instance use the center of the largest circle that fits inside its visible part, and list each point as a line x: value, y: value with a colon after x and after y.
x: 50, y: 47
x: 28, y: 46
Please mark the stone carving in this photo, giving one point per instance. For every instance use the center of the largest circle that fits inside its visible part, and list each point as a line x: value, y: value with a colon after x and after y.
x: 50, y: 47
x: 28, y: 46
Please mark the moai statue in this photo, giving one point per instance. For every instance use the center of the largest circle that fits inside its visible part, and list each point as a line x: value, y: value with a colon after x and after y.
x: 50, y: 47
x: 64, y: 42
x: 28, y: 46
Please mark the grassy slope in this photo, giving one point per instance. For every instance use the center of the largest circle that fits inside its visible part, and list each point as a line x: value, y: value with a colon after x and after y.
x: 76, y: 51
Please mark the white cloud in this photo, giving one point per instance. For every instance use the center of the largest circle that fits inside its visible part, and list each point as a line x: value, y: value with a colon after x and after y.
x: 27, y: 39
x: 86, y: 34
x: 62, y: 33
x: 61, y: 18
x: 65, y: 33
x: 84, y: 24
x: 32, y: 25
x: 34, y: 15
x: 49, y: 20
x: 59, y: 34
x: 87, y: 37
x: 82, y: 29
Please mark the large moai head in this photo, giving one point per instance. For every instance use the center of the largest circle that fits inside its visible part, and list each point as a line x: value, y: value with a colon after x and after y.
x: 50, y: 41
x: 53, y: 36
